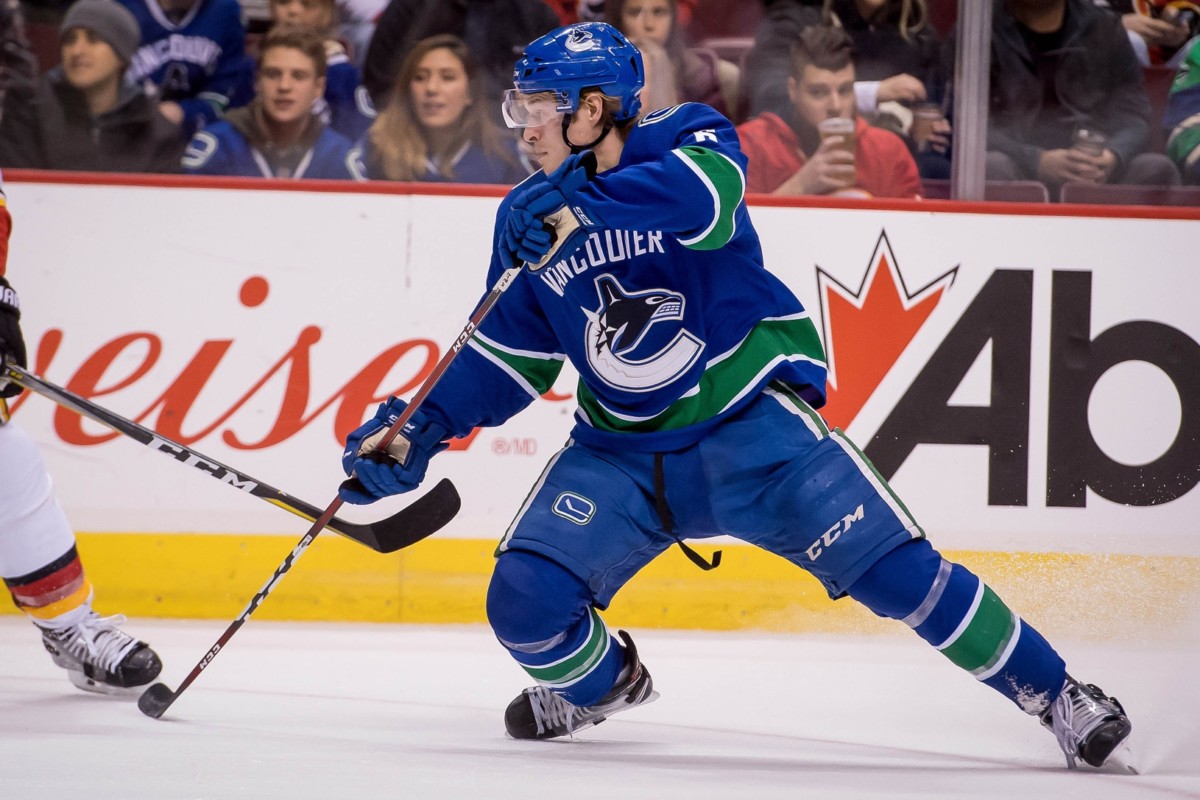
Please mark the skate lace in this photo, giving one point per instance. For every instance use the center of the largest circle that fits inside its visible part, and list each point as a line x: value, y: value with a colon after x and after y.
x: 550, y: 711
x: 1076, y: 713
x: 98, y: 641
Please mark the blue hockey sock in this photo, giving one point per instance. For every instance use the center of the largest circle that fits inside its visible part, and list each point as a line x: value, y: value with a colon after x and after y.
x: 544, y: 616
x: 957, y: 613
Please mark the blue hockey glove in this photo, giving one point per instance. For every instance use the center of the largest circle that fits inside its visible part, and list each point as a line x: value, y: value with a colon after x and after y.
x: 400, y: 468
x: 12, y: 343
x: 540, y: 218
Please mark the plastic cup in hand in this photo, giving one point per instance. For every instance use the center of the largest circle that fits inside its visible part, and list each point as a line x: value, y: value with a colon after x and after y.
x: 925, y: 116
x: 839, y: 126
x: 1089, y: 141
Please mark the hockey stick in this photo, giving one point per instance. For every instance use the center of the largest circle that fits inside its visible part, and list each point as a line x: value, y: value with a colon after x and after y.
x: 422, y: 518
x: 158, y: 698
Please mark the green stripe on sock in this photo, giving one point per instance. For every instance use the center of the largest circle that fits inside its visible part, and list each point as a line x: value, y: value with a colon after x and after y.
x: 985, y: 637
x: 579, y: 663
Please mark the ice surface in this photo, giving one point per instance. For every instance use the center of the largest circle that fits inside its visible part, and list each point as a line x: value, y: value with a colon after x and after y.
x: 303, y: 710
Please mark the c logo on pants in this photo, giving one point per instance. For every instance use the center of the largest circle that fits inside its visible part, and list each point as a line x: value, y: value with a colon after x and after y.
x: 574, y: 507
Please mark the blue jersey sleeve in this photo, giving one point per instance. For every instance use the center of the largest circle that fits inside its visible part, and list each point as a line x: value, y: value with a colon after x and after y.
x: 682, y: 172
x: 208, y: 152
x: 350, y: 111
x: 232, y: 78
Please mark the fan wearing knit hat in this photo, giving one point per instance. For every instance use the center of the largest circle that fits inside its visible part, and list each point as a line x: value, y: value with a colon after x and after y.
x: 107, y: 21
x: 84, y: 114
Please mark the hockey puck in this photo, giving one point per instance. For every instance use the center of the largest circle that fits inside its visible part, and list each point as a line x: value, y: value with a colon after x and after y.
x: 154, y: 701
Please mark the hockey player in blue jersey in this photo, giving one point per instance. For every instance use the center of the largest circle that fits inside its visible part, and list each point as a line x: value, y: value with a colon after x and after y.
x: 280, y: 134
x: 700, y: 379
x: 195, y: 52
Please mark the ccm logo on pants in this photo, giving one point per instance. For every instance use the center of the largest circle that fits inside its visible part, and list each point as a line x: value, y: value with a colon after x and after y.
x: 834, y: 533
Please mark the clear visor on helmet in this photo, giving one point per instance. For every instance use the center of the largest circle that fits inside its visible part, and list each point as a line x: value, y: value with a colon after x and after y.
x: 533, y: 110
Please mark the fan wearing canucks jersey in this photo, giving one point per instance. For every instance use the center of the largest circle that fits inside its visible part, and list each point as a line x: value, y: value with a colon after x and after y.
x: 701, y: 376
x: 280, y: 134
x: 195, y: 52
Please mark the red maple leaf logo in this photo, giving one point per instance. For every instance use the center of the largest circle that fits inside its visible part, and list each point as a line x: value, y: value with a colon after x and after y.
x: 867, y: 329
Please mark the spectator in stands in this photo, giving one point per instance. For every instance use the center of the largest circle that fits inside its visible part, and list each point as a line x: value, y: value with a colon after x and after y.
x: 495, y: 31
x: 84, y: 115
x: 18, y: 65
x: 436, y: 127
x: 1161, y: 31
x: 661, y: 89
x: 571, y: 11
x: 699, y: 75
x: 195, y: 52
x: 1059, y: 66
x: 1182, y: 119
x: 787, y: 155
x: 356, y: 26
x: 896, y: 55
x: 898, y: 61
x: 769, y: 62
x: 347, y: 106
x: 278, y: 135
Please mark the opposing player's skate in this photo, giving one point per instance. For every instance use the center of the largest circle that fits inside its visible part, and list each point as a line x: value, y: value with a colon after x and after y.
x: 538, y: 713
x: 1088, y: 724
x: 99, y: 657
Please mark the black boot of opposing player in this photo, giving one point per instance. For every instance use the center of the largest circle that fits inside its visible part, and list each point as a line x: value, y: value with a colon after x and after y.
x: 538, y: 713
x: 100, y: 657
x: 1088, y: 724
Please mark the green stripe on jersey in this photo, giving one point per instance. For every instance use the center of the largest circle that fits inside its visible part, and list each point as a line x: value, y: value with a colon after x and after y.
x: 1184, y: 145
x: 725, y: 380
x: 1189, y: 73
x: 985, y: 637
x: 539, y: 370
x: 726, y: 183
x: 572, y: 668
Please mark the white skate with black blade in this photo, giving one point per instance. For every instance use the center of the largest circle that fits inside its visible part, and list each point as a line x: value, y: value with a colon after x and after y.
x: 1090, y: 726
x: 538, y: 713
x: 99, y: 657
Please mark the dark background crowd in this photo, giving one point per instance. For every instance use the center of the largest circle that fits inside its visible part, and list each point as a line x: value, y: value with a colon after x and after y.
x: 1089, y: 100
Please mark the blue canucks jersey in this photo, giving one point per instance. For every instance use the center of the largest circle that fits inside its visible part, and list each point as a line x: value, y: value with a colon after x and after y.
x: 469, y: 165
x: 664, y: 307
x: 221, y: 149
x: 346, y: 106
x: 199, y: 62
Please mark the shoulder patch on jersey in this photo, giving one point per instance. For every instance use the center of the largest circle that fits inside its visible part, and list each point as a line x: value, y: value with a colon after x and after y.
x: 199, y: 150
x: 659, y: 115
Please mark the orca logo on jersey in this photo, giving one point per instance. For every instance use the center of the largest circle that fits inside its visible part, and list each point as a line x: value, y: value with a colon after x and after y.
x: 620, y: 326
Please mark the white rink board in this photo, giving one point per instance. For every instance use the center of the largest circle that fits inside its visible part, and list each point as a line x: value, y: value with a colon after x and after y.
x: 368, y: 272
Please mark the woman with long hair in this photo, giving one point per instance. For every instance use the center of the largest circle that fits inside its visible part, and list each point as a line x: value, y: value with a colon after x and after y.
x: 436, y: 126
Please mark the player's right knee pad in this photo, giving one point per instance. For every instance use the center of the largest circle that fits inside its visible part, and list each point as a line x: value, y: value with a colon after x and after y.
x: 543, y: 615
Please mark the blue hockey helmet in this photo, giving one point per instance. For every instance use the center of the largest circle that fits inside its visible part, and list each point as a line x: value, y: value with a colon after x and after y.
x: 574, y: 58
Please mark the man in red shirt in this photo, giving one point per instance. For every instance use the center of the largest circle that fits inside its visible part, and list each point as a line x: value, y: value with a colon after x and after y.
x: 789, y: 157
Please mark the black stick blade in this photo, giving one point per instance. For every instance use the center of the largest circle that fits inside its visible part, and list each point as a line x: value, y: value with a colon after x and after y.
x: 154, y: 701
x: 424, y: 517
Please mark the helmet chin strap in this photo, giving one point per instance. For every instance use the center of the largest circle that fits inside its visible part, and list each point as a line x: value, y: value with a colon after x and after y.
x: 576, y: 149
